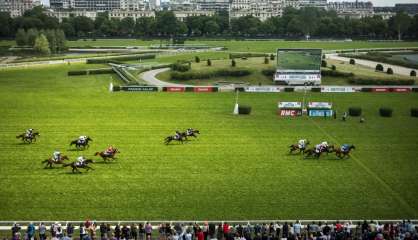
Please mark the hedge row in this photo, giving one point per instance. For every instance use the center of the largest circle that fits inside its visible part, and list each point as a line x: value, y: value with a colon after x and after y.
x: 120, y: 58
x: 180, y: 67
x: 354, y: 111
x: 218, y: 73
x: 90, y: 71
x: 385, y: 112
x: 269, y: 72
x: 374, y: 81
x: 246, y: 55
x: 242, y: 109
x: 334, y: 73
x: 124, y: 74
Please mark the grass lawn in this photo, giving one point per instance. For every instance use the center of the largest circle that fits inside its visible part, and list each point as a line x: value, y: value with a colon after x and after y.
x: 238, y: 168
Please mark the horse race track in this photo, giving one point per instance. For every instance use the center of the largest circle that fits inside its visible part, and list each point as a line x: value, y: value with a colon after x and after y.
x: 238, y: 168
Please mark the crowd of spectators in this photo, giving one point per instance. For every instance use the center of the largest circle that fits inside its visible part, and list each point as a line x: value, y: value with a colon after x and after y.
x: 366, y: 230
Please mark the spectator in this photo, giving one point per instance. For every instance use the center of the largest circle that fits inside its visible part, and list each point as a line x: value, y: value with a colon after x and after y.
x: 30, y: 231
x: 103, y: 231
x: 148, y: 230
x: 125, y: 232
x: 42, y: 231
x: 134, y: 232
x: 82, y: 231
x: 15, y: 229
x: 141, y: 232
x: 225, y: 228
x: 70, y: 230
x: 297, y: 228
x: 65, y: 237
x: 117, y: 232
x: 219, y: 232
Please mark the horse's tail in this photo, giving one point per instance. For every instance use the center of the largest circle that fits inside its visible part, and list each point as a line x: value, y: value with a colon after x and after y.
x: 72, y: 143
x: 19, y: 136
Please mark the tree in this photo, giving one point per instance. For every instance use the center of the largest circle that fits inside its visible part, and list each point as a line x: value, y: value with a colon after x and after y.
x: 413, y: 73
x: 125, y: 26
x: 197, y: 59
x: 167, y: 23
x: 21, y: 37
x: 401, y: 23
x: 211, y: 27
x: 6, y: 24
x: 352, y: 61
x: 389, y: 71
x: 32, y: 35
x: 41, y: 45
x: 50, y: 35
x: 379, y: 67
x: 60, y: 40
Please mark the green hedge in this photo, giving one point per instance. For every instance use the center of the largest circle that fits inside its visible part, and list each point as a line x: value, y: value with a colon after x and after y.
x: 335, y: 73
x: 77, y: 73
x: 385, y: 112
x: 242, y: 109
x: 414, y: 112
x: 354, y: 111
x: 202, y: 75
x: 116, y: 88
x: 118, y: 59
x: 374, y: 81
x: 246, y: 55
x: 269, y: 72
x: 100, y: 71
x: 180, y: 67
x: 316, y: 89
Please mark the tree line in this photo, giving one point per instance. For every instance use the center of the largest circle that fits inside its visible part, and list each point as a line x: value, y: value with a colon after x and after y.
x: 294, y: 23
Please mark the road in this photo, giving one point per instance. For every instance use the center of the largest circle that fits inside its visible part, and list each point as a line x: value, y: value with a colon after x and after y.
x: 371, y: 64
x: 149, y: 77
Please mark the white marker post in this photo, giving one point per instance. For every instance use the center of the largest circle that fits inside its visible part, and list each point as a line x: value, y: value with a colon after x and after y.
x: 111, y: 87
x: 236, y: 112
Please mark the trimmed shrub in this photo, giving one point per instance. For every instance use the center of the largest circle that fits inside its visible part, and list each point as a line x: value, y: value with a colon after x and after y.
x: 379, y: 68
x: 266, y: 60
x: 116, y: 88
x: 209, y: 62
x: 413, y: 73
x: 354, y: 111
x: 315, y: 89
x: 389, y: 71
x: 202, y: 75
x: 197, y: 59
x: 233, y: 63
x: 385, y: 112
x: 180, y: 67
x: 324, y: 63
x: 242, y: 109
x: 334, y: 68
x: 77, y: 73
x: 289, y: 89
x: 272, y: 57
x: 352, y: 61
x: 269, y: 72
x: 100, y: 71
x: 414, y: 112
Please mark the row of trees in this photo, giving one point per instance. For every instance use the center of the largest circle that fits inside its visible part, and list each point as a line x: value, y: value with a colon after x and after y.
x: 295, y: 23
x: 44, y: 41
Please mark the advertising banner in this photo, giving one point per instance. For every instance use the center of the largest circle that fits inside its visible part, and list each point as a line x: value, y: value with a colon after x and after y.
x: 320, y: 113
x: 175, y: 89
x: 380, y: 89
x: 290, y: 105
x: 203, y: 89
x: 337, y: 89
x: 262, y: 89
x: 139, y: 88
x: 401, y: 89
x: 320, y: 105
x: 290, y: 112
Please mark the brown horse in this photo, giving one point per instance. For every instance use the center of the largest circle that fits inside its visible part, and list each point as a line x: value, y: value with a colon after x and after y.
x: 75, y: 167
x: 50, y: 161
x: 28, y: 139
x: 106, y: 156
x: 81, y: 145
x: 311, y: 152
x: 295, y: 147
x: 342, y: 154
x: 192, y: 133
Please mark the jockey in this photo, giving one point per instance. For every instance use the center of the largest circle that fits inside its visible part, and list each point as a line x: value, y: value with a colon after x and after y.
x: 318, y: 148
x: 82, y: 139
x: 80, y: 161
x: 324, y: 145
x: 109, y: 151
x: 189, y: 131
x: 345, y: 147
x: 177, y: 136
x: 302, y: 143
x: 56, y: 156
x: 29, y: 132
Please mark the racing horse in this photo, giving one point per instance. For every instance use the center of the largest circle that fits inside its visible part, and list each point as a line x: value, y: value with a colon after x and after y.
x: 181, y: 139
x: 190, y: 134
x: 28, y: 139
x: 50, y: 161
x: 342, y: 154
x: 106, y: 156
x: 75, y: 167
x: 295, y: 147
x: 81, y: 145
x: 311, y: 152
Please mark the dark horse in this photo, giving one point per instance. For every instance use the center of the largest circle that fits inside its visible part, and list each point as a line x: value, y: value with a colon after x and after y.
x: 28, y: 139
x: 181, y: 139
x: 311, y: 152
x: 50, y: 161
x: 106, y: 156
x: 295, y: 147
x: 342, y: 154
x: 75, y: 167
x: 190, y: 134
x: 80, y: 145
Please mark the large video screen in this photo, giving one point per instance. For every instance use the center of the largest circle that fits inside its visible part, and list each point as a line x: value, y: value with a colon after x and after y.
x: 299, y: 59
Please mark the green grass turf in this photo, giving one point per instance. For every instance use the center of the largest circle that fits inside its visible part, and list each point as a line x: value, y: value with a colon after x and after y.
x: 250, y: 46
x: 237, y: 169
